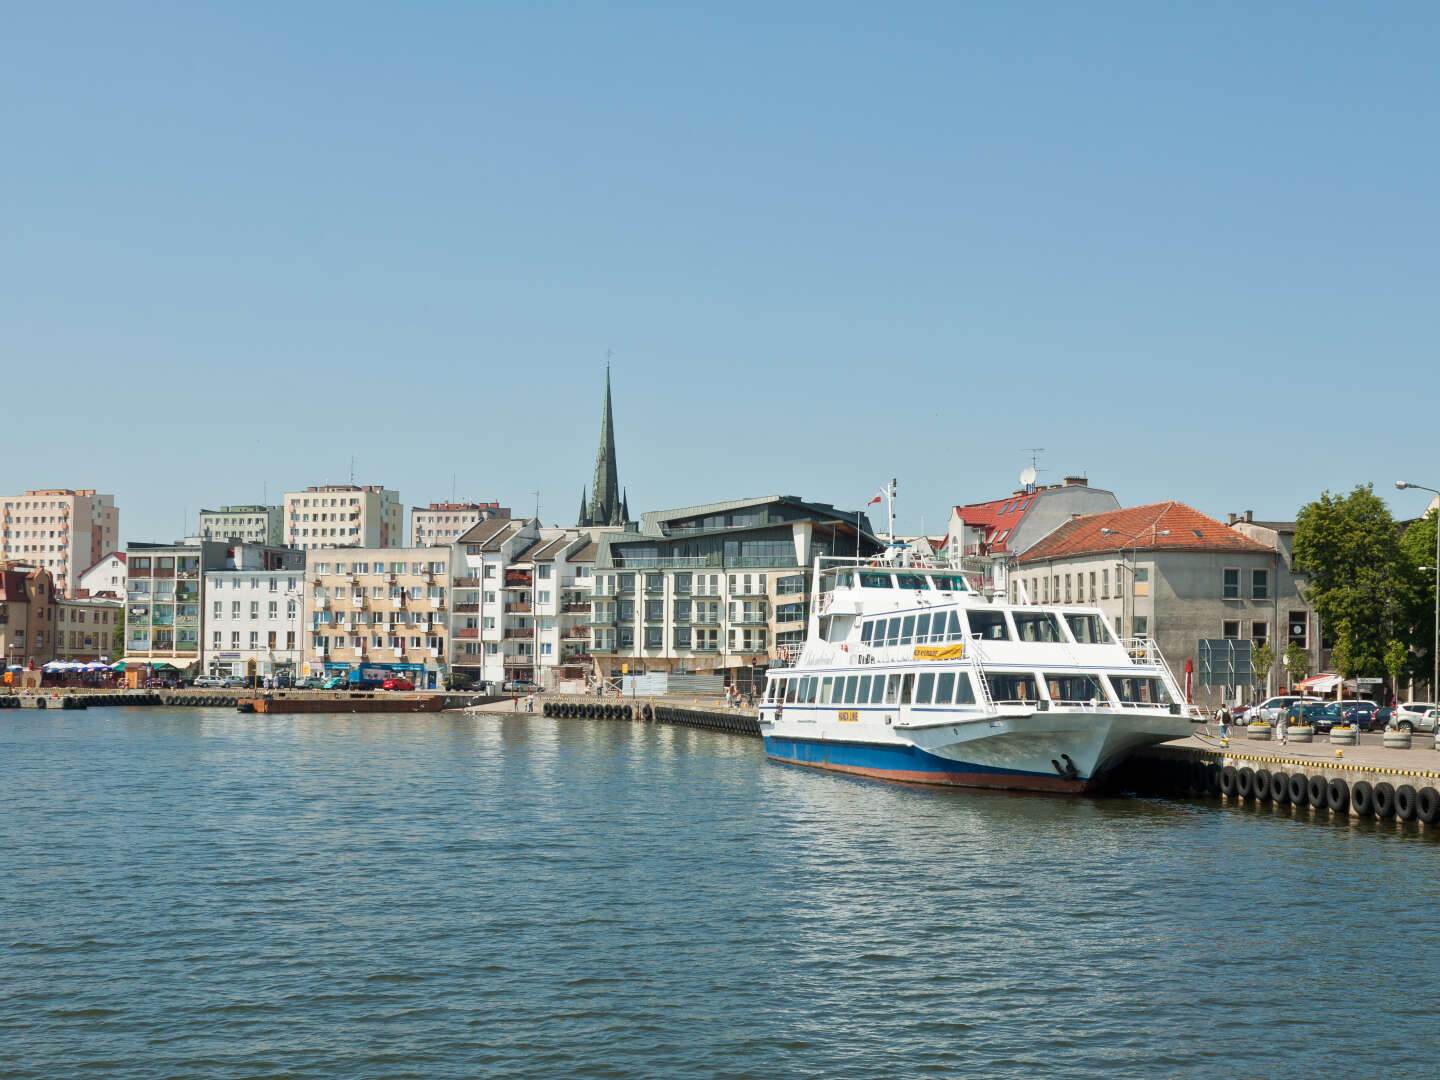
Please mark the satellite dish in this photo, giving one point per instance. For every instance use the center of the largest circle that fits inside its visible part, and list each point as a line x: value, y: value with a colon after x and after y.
x: 1027, y: 476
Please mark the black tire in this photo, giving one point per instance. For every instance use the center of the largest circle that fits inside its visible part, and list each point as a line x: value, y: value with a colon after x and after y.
x: 1427, y: 805
x: 1299, y: 790
x: 1384, y: 800
x: 1212, y: 778
x: 627, y: 713
x: 1262, y: 785
x: 1279, y: 788
x: 1405, y: 802
x: 1406, y: 726
x: 1245, y: 782
x: 1317, y: 788
x: 1227, y: 780
x: 1362, y: 798
x: 1337, y: 796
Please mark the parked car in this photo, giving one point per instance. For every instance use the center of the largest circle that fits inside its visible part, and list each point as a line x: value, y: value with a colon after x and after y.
x: 1271, y: 709
x: 1321, y: 715
x: 232, y: 681
x: 208, y: 682
x: 521, y: 687
x: 1414, y: 716
x: 1381, y: 720
x: 1361, y: 714
x: 308, y: 683
x: 1239, y: 713
x: 397, y: 684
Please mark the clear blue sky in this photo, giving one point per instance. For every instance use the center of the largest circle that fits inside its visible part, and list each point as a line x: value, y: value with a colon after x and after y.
x: 1191, y: 250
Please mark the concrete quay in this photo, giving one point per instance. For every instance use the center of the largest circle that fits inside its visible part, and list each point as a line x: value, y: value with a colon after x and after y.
x: 676, y: 710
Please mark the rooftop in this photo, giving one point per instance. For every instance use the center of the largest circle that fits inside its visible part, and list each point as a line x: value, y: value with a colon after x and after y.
x: 1139, y: 528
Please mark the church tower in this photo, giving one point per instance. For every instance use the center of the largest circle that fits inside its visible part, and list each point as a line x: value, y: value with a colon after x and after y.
x: 606, y: 506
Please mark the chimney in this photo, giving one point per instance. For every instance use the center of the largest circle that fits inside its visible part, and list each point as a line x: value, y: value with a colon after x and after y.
x: 1076, y: 481
x: 1230, y: 519
x: 1249, y: 515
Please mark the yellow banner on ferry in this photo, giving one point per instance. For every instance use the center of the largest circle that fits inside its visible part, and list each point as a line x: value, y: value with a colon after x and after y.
x: 940, y: 652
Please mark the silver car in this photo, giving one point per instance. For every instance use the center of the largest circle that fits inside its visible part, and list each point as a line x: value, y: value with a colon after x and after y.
x: 1414, y: 716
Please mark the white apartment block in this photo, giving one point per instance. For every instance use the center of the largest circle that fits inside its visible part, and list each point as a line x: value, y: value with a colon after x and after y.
x: 382, y: 611
x: 60, y: 529
x: 444, y: 523
x: 106, y: 577
x: 344, y: 515
x: 521, y: 603
x: 254, y: 615
x: 247, y: 524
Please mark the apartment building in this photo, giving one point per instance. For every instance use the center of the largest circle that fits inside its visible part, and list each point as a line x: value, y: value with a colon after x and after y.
x: 344, y: 515
x: 716, y: 588
x: 444, y: 523
x: 244, y: 524
x: 104, y: 577
x: 163, y: 616
x: 255, y: 613
x: 85, y: 628
x: 59, y: 529
x: 522, y: 603
x: 27, y: 616
x: 380, y: 610
x: 1170, y: 573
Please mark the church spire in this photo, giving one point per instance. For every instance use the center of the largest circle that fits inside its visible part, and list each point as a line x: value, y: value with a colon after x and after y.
x: 604, y: 491
x: 583, y: 521
x: 624, y: 507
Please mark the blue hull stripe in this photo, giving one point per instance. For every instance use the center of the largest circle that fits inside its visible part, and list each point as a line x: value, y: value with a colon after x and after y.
x: 892, y: 760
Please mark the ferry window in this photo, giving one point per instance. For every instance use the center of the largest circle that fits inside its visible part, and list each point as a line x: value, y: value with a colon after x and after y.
x: 956, y: 631
x: 924, y: 687
x: 1074, y: 689
x: 907, y: 630
x: 906, y: 689
x: 1140, y: 691
x: 866, y: 628
x: 1088, y: 629
x: 877, y: 691
x: 1037, y: 626
x: 811, y: 690
x: 892, y: 635
x: 988, y: 625
x: 790, y: 686
x: 964, y: 692
x: 910, y: 581
x: 825, y: 686
x: 1012, y: 687
x: 850, y: 684
x: 892, y: 690
x: 845, y: 577
x: 874, y: 581
x: 864, y: 695
x: 944, y: 688
x: 922, y: 628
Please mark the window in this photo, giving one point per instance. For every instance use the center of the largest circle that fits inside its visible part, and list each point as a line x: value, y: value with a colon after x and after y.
x: 1073, y: 689
x: 1259, y: 632
x: 988, y: 626
x: 1088, y: 629
x: 1104, y: 584
x: 850, y: 684
x: 653, y: 638
x: 1036, y: 626
x: 1299, y: 626
x: 655, y: 611
x: 1140, y: 625
x: 1259, y: 584
x: 1231, y: 586
x: 1230, y: 628
x: 1067, y: 589
x: 682, y: 637
x: 1012, y: 687
x: 924, y: 687
x: 825, y: 690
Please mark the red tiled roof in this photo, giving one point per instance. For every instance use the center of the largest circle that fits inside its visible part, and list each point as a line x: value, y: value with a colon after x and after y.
x: 1189, y: 530
x: 997, y: 517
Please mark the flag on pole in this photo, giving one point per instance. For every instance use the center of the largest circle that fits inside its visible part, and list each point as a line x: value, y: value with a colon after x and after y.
x: 878, y: 496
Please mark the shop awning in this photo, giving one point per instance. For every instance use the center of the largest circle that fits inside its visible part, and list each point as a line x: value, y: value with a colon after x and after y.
x: 1319, y: 684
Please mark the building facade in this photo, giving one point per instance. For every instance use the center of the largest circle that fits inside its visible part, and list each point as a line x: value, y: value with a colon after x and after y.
x: 1172, y: 574
x: 163, y: 613
x: 444, y: 523
x: 344, y: 515
x: 717, y: 588
x: 27, y: 616
x: 255, y: 613
x: 59, y: 529
x: 85, y: 628
x: 105, y: 577
x: 244, y: 524
x: 379, y: 611
x: 1010, y: 525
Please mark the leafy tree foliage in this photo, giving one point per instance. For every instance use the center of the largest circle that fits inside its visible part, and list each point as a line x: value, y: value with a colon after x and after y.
x: 1349, y: 549
x: 1263, y: 659
x: 1297, y: 663
x: 1416, y: 622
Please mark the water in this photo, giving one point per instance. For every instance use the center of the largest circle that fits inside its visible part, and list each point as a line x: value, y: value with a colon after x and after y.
x: 192, y: 893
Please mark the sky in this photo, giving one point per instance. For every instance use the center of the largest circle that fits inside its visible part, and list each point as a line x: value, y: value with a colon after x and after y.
x: 1190, y: 251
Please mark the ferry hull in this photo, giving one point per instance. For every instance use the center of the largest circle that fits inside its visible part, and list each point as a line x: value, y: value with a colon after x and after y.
x: 914, y: 765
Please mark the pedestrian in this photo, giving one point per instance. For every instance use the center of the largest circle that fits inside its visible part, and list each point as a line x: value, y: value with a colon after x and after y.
x: 1222, y: 717
x: 1280, y: 724
x: 530, y: 703
x: 517, y: 703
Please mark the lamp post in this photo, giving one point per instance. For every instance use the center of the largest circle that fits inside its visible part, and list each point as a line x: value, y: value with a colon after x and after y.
x: 1435, y: 675
x: 1133, y: 545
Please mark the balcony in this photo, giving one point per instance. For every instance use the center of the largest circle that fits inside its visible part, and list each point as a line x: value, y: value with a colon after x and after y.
x: 397, y: 602
x: 320, y: 603
x: 577, y: 633
x: 462, y: 609
x: 519, y: 632
x: 519, y: 661
x: 603, y: 618
x: 705, y: 646
x: 575, y: 607
x: 437, y: 603
x: 467, y: 583
x: 748, y: 620
x: 518, y: 605
x: 357, y: 601
x: 706, y: 619
x: 518, y: 579
x: 471, y: 633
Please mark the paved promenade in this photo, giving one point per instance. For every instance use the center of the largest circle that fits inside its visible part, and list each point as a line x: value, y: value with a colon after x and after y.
x: 1422, y: 759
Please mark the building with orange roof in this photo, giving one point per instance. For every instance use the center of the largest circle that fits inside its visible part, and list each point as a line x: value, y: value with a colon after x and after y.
x: 1009, y: 525
x: 1170, y: 573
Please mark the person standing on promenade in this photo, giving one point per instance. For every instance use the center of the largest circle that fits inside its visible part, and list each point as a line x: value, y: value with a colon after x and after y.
x: 1280, y: 723
x: 516, y: 699
x: 530, y: 702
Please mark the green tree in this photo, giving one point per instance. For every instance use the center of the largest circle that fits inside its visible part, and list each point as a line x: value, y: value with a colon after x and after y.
x: 1263, y: 660
x: 117, y: 644
x: 1297, y: 662
x: 1396, y: 654
x: 1349, y: 550
x: 1415, y: 625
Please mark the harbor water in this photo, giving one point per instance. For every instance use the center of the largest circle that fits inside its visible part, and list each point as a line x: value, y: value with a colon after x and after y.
x: 195, y: 893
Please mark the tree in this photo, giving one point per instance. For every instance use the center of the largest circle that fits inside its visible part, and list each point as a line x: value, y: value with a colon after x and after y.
x: 117, y: 645
x: 1395, y: 656
x: 1416, y: 623
x: 1297, y: 662
x: 1262, y: 658
x: 1349, y: 550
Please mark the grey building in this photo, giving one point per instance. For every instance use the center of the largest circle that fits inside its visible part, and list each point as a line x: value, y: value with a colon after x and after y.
x: 1010, y: 525
x: 252, y: 524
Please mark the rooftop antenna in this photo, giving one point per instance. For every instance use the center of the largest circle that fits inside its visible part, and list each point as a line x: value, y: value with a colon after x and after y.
x: 1031, y: 471
x: 537, y: 506
x: 352, y: 469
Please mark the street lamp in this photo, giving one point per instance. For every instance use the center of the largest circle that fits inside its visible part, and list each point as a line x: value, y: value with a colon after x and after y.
x: 1435, y: 676
x: 1134, y: 551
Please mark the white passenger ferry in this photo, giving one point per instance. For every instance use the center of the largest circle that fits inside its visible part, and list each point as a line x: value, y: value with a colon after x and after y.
x: 910, y: 671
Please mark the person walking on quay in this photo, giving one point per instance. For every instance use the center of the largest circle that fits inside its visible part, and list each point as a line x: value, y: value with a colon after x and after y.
x: 1280, y: 723
x: 530, y: 702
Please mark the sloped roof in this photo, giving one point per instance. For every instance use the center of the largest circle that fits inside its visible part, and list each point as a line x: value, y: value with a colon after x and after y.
x: 584, y: 554
x: 1138, y: 528
x: 112, y: 555
x: 484, y: 530
x: 548, y: 549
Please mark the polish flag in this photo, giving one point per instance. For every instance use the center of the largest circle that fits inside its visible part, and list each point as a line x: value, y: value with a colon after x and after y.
x: 878, y: 496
